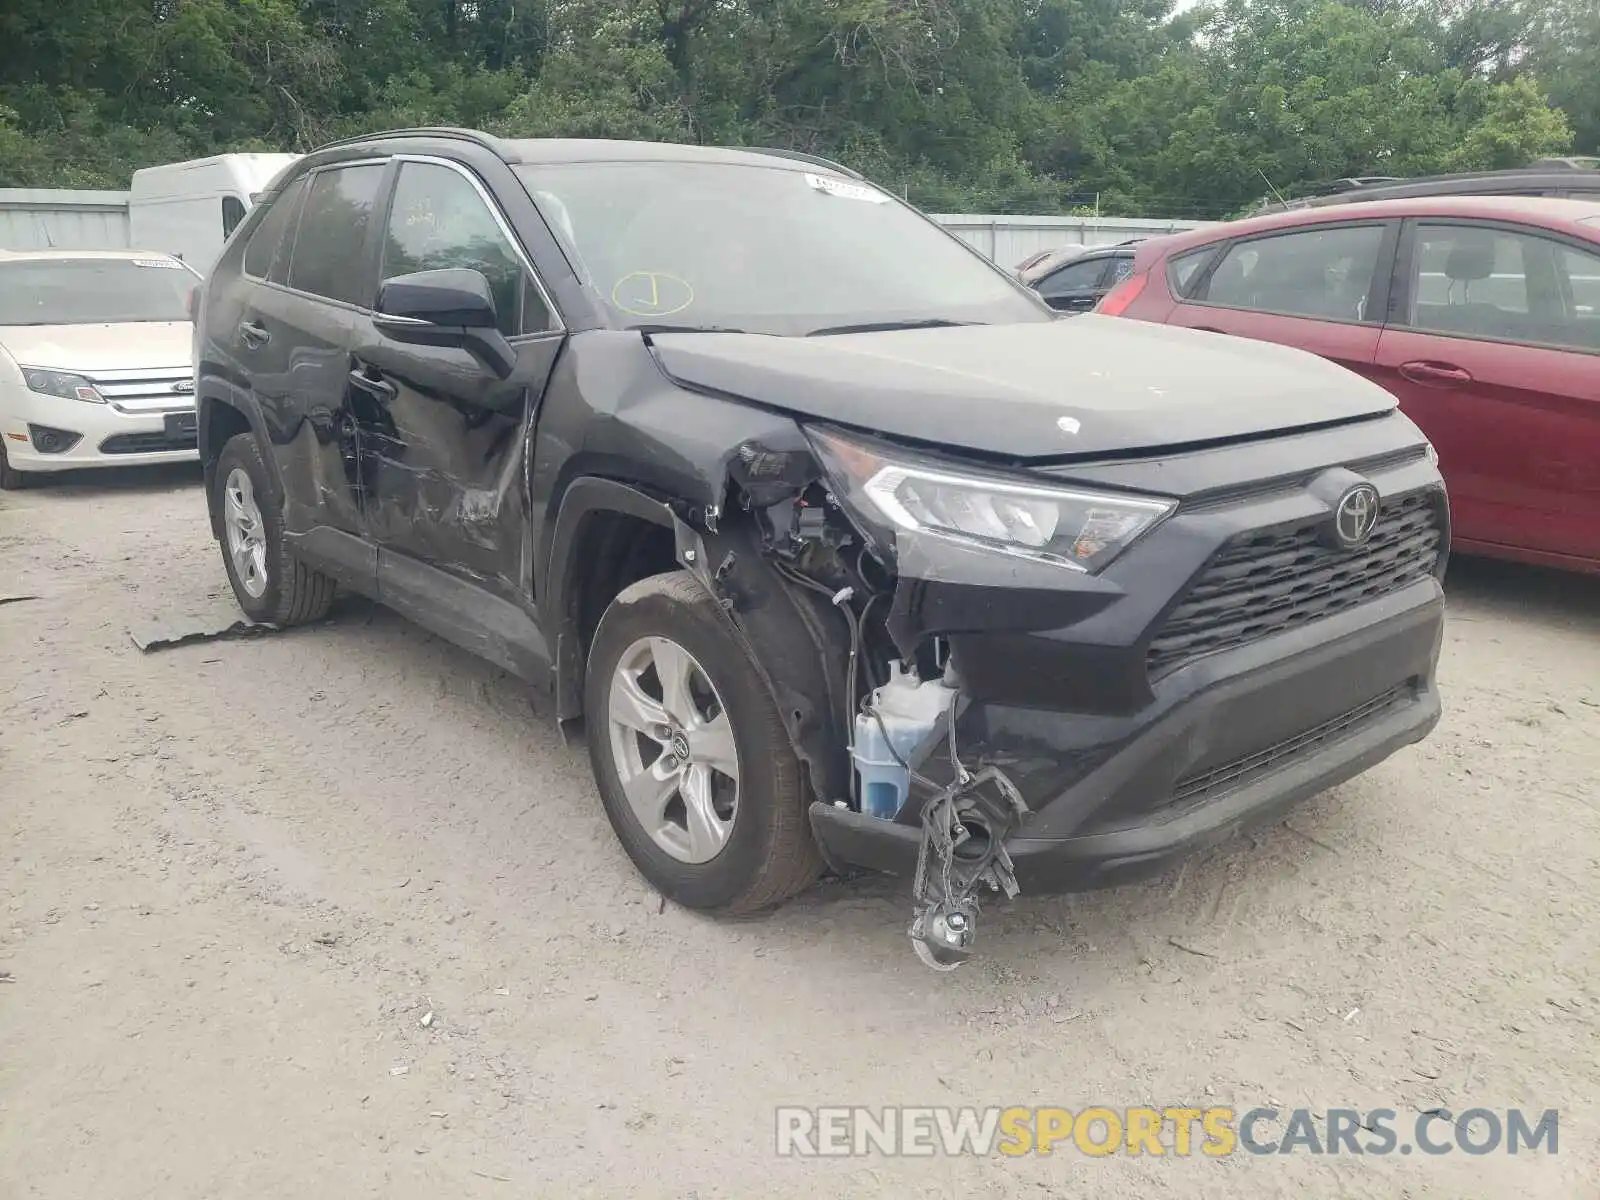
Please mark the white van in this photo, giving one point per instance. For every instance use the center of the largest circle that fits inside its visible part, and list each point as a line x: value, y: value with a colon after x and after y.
x: 188, y: 209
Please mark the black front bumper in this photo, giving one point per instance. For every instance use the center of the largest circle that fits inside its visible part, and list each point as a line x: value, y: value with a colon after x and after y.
x: 1232, y: 739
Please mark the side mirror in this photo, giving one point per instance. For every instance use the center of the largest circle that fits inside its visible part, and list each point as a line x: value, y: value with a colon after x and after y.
x: 445, y: 308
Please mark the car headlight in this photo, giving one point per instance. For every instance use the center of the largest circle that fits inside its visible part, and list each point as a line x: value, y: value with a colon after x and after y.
x: 889, y: 490
x: 62, y: 384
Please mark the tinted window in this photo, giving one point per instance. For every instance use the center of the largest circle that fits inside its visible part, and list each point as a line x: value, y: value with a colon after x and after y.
x: 330, y: 247
x: 232, y: 214
x: 1074, y: 277
x: 439, y: 220
x: 1485, y: 282
x: 94, y: 291
x: 1185, y: 270
x: 274, y: 237
x: 767, y: 247
x: 1121, y: 268
x: 1323, y: 273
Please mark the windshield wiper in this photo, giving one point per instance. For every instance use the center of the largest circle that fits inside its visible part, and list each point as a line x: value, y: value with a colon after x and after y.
x: 886, y: 326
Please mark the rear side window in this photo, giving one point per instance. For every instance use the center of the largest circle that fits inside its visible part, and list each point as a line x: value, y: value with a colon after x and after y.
x: 1121, y: 268
x: 267, y: 255
x: 330, y: 247
x: 1324, y: 273
x: 439, y: 220
x: 232, y: 214
x: 1074, y: 277
x: 1501, y: 284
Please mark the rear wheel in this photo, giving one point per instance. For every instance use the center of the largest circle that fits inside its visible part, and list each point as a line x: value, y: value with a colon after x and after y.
x: 271, y: 585
x: 10, y: 478
x: 693, y: 765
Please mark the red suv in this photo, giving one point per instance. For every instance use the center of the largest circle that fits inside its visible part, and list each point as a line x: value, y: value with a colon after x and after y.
x: 1481, y: 314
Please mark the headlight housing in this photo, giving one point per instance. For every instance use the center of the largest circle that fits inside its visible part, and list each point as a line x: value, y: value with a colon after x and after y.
x: 889, y: 490
x: 61, y: 383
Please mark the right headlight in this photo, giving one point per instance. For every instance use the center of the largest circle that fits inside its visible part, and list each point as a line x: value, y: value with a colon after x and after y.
x: 61, y: 383
x: 887, y: 490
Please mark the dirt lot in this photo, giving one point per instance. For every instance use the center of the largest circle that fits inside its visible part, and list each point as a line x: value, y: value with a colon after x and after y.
x: 234, y: 878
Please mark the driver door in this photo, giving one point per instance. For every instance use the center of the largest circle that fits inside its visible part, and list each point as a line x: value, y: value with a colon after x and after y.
x: 443, y: 442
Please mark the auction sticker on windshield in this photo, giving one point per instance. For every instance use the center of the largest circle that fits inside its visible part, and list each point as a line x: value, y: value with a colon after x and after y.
x: 847, y: 191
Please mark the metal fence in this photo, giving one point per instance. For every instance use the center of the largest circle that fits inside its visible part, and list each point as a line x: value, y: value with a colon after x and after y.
x: 1009, y: 240
x: 52, y: 218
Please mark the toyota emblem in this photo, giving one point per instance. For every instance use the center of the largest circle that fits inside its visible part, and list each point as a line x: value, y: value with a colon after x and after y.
x: 1355, y: 515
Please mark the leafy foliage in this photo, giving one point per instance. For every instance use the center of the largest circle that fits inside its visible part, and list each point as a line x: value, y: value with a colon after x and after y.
x: 996, y: 105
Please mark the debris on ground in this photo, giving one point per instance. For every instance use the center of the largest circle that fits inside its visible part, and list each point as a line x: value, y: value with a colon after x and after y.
x: 163, y: 633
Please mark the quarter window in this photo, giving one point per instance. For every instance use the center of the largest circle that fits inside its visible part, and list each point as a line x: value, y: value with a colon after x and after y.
x: 1185, y: 270
x: 232, y: 214
x: 330, y: 247
x: 1487, y: 282
x: 439, y: 220
x: 267, y: 255
x: 1324, y: 273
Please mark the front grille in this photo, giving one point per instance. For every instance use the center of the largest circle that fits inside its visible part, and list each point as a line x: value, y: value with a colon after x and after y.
x: 1267, y: 581
x: 1240, y: 771
x: 137, y: 392
x: 147, y: 443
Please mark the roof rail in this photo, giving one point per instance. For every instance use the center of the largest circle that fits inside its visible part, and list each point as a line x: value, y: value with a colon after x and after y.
x: 816, y: 160
x: 441, y: 131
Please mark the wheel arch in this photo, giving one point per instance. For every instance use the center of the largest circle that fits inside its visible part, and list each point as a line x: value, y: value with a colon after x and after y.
x: 609, y: 534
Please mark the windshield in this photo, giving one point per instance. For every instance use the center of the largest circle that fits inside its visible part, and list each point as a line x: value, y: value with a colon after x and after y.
x: 94, y: 291
x: 762, y: 249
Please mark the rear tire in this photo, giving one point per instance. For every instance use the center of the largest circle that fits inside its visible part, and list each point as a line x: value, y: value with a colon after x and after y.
x: 271, y: 585
x: 11, y: 479
x: 768, y: 854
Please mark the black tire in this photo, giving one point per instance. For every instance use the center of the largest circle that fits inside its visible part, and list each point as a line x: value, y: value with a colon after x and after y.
x: 11, y: 479
x: 295, y: 593
x: 770, y: 855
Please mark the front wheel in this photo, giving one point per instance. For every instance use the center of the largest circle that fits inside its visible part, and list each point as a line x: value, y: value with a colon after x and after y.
x: 270, y: 584
x: 694, y: 768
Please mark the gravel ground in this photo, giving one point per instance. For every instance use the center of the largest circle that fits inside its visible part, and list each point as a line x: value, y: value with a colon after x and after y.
x: 234, y: 877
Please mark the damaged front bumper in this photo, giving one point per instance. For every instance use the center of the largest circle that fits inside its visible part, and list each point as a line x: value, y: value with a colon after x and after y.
x: 1230, y: 740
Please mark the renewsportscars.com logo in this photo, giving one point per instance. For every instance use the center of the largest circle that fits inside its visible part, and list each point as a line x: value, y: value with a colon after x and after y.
x: 1179, y: 1132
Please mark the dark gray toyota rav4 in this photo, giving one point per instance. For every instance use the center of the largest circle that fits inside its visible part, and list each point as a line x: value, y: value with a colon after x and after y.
x: 844, y: 547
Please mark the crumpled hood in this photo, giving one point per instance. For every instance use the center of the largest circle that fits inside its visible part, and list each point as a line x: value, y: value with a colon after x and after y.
x: 138, y: 345
x: 1081, y: 386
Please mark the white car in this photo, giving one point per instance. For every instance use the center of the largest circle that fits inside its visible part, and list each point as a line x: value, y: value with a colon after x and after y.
x: 94, y: 361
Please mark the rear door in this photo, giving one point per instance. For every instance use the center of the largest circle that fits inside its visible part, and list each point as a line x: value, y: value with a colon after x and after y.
x: 442, y: 440
x: 1494, y: 350
x: 1319, y: 288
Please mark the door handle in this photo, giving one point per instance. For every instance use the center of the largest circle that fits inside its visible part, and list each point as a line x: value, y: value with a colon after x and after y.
x: 254, y: 335
x: 380, y: 388
x: 1432, y: 374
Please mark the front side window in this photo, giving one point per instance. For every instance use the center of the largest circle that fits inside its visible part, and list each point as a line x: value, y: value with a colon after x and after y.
x: 439, y: 220
x: 1074, y: 277
x: 94, y: 291
x: 330, y: 245
x: 765, y: 248
x: 267, y: 255
x: 1501, y: 284
x: 1324, y: 273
